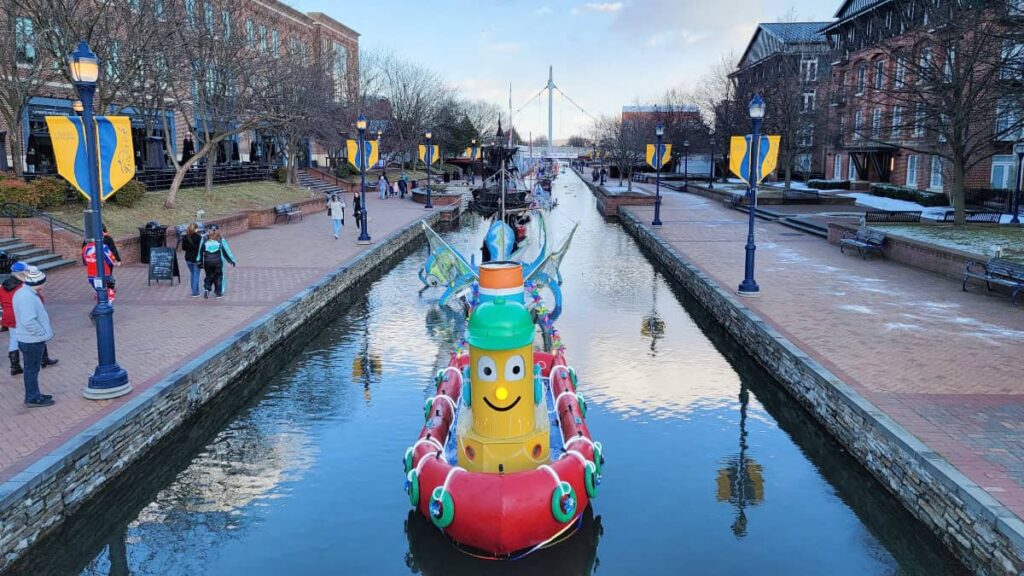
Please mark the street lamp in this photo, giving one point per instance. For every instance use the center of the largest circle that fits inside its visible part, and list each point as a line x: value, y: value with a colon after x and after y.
x: 429, y: 157
x: 749, y: 287
x: 711, y: 175
x: 472, y: 161
x: 686, y: 165
x: 380, y: 152
x: 1018, y: 148
x: 109, y: 380
x: 364, y: 235
x: 659, y: 131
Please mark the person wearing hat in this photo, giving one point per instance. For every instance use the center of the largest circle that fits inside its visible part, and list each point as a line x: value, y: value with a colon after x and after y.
x: 33, y: 332
x: 213, y: 252
x: 11, y: 285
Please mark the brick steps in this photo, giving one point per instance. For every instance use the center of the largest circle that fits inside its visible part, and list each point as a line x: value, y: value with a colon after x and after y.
x: 33, y: 255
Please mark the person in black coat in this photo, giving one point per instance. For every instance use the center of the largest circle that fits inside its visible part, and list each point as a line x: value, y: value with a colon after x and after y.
x: 190, y: 241
x: 357, y: 208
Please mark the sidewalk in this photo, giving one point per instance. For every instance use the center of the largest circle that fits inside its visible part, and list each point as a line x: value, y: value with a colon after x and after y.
x: 943, y: 363
x: 158, y: 328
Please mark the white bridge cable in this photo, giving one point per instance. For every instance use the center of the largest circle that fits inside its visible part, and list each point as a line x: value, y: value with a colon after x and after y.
x: 573, y: 102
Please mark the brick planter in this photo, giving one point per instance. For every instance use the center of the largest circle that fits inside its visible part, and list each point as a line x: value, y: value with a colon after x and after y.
x: 948, y: 262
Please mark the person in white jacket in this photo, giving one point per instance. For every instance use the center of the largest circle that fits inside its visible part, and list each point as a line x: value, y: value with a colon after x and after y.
x: 336, y: 212
x: 34, y: 331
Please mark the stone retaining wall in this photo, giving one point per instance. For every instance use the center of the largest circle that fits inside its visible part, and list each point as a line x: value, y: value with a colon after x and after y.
x: 43, y: 496
x: 948, y: 262
x: 608, y: 204
x: 982, y: 533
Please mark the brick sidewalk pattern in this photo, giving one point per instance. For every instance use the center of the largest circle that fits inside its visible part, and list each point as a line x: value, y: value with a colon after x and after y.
x: 943, y: 363
x: 160, y: 327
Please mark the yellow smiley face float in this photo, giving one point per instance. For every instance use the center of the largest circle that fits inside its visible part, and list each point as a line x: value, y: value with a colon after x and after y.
x: 508, y: 430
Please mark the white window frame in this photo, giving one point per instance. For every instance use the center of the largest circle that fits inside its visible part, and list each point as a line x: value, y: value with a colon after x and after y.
x: 862, y: 72
x: 897, y: 122
x: 858, y: 124
x: 912, y: 169
x: 876, y: 123
x: 879, y: 75
x: 901, y: 72
x: 919, y: 121
x: 807, y: 101
x: 809, y: 69
x: 936, y: 177
x: 837, y: 167
x: 1007, y: 164
x: 851, y: 170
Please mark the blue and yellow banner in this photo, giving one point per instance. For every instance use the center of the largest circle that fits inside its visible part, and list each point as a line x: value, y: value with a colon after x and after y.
x: 116, y: 153
x: 370, y: 150
x: 430, y: 156
x: 739, y: 156
x: 473, y: 152
x: 663, y: 157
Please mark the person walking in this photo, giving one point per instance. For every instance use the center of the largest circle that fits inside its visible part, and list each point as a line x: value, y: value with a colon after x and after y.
x: 403, y: 186
x: 383, y: 186
x: 357, y: 213
x: 336, y: 212
x: 213, y: 251
x: 91, y: 261
x: 191, y: 240
x: 33, y: 332
x: 7, y: 290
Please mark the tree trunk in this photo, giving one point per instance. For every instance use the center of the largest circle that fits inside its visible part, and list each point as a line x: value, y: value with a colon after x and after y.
x: 16, y: 156
x: 956, y: 193
x: 789, y: 177
x: 179, y: 175
x: 211, y: 159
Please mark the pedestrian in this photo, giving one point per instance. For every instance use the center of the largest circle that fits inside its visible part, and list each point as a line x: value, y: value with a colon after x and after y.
x: 336, y: 212
x: 108, y: 241
x: 7, y: 290
x: 33, y: 332
x: 382, y: 186
x: 91, y: 261
x: 357, y: 211
x: 213, y: 251
x: 403, y: 186
x: 191, y: 240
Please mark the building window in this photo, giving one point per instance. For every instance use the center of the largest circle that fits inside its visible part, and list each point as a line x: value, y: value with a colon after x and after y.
x: 1008, y: 122
x: 858, y: 124
x: 879, y: 74
x: 837, y: 167
x: 1002, y: 172
x: 263, y: 37
x: 208, y: 16
x: 190, y: 12
x: 897, y: 121
x: 851, y: 170
x: 912, y: 171
x: 876, y: 123
x: 275, y: 42
x: 947, y: 66
x: 225, y: 22
x: 862, y: 72
x: 25, y: 50
x: 924, y: 64
x: 807, y: 104
x: 1013, y: 60
x: 936, y: 179
x: 901, y: 73
x: 250, y: 34
x: 809, y: 69
x: 919, y: 120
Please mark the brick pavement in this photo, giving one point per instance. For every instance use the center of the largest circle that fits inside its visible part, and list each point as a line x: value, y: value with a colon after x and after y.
x: 159, y: 328
x: 944, y: 364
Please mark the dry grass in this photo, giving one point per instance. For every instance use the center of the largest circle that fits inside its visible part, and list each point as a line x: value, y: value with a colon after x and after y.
x: 223, y: 200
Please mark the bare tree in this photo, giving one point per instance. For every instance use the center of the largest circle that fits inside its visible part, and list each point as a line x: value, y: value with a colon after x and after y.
x: 952, y: 89
x: 483, y: 114
x: 624, y: 144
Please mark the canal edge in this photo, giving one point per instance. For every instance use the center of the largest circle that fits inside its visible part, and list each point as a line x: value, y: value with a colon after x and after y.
x: 981, y: 532
x: 41, y: 497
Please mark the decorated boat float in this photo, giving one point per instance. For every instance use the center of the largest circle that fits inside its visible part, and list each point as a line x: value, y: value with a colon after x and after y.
x: 505, y: 464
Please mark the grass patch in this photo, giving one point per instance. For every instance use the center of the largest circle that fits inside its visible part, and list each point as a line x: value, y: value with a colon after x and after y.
x: 223, y: 200
x: 976, y: 239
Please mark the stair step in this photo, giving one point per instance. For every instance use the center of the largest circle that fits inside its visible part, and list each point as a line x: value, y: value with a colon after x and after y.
x: 804, y: 227
x: 54, y: 264
x: 15, y: 247
x: 28, y: 252
x: 40, y: 259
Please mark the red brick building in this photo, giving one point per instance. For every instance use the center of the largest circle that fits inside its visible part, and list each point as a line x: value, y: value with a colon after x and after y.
x: 669, y: 114
x: 269, y: 26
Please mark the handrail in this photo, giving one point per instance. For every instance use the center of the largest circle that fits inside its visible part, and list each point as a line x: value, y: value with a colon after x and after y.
x: 12, y: 210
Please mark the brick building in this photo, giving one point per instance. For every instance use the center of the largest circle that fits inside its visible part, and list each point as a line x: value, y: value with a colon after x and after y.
x: 789, y: 64
x: 269, y: 26
x: 678, y: 114
x: 881, y: 49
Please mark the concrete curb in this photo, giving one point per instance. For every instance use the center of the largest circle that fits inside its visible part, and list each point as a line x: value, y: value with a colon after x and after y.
x: 41, y: 497
x: 981, y: 532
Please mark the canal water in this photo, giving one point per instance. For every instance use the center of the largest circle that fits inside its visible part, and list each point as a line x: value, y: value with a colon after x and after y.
x: 711, y: 468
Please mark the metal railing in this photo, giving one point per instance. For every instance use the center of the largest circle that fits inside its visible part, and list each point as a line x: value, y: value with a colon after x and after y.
x: 14, y: 210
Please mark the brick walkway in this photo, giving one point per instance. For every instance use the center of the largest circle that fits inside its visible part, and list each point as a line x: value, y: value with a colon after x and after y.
x: 943, y: 363
x: 158, y: 328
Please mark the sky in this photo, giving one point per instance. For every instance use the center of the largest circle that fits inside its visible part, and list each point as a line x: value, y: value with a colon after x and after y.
x: 605, y: 53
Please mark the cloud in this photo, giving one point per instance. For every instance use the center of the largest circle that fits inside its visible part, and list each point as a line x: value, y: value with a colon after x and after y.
x: 542, y: 11
x: 669, y: 38
x: 601, y: 7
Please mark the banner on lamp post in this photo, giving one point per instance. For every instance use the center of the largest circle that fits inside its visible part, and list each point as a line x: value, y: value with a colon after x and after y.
x: 663, y: 157
x: 739, y: 157
x: 370, y: 152
x: 115, y: 153
x: 431, y: 154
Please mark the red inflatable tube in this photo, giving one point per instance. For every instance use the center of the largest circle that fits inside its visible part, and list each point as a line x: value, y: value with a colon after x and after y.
x: 504, y: 515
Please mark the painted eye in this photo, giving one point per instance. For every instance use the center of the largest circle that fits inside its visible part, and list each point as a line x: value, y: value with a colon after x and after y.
x: 515, y: 368
x: 486, y: 370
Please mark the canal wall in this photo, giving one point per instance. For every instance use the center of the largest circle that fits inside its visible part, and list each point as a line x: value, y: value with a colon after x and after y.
x: 987, y: 537
x: 39, y: 499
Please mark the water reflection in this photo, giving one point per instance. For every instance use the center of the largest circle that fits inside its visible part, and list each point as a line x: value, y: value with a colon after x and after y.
x: 740, y: 481
x: 653, y: 326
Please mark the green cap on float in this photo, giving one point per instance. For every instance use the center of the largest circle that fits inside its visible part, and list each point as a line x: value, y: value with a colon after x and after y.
x: 500, y: 325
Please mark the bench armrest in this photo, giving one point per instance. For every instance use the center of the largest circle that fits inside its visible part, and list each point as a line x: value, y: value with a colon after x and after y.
x: 848, y: 235
x: 975, y: 267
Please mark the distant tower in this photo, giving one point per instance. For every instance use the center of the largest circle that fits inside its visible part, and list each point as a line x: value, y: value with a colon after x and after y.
x: 551, y: 99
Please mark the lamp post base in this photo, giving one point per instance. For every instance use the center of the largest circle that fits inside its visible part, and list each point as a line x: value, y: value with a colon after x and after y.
x: 656, y: 223
x: 751, y: 290
x: 106, y: 393
x: 108, y: 382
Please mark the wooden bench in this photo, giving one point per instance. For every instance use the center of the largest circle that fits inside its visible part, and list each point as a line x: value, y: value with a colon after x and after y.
x: 286, y: 211
x: 975, y: 217
x: 892, y: 216
x: 997, y: 271
x: 864, y: 240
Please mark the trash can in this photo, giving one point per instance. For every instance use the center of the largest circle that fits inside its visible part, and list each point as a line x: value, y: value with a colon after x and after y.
x: 152, y: 235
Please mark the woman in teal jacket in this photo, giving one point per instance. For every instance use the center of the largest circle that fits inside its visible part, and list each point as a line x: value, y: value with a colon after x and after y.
x: 213, y: 252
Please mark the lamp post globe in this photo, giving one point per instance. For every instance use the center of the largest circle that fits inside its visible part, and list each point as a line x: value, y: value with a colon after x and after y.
x: 364, y: 234
x: 659, y: 133
x: 429, y: 158
x: 749, y: 287
x: 109, y: 380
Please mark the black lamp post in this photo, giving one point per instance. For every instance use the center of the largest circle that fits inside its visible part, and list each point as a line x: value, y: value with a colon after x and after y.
x: 659, y: 131
x: 380, y: 152
x: 429, y: 157
x: 711, y: 174
x: 1018, y: 148
x: 472, y: 161
x: 364, y: 235
x: 686, y: 165
x: 749, y: 286
x: 109, y: 380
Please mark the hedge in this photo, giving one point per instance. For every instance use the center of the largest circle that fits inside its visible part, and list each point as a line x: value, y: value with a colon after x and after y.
x: 130, y: 193
x: 829, y: 184
x: 900, y: 193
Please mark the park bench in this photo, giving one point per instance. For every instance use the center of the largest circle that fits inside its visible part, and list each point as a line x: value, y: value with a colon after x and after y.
x: 975, y: 217
x: 864, y: 240
x: 997, y: 271
x: 286, y: 211
x: 892, y: 216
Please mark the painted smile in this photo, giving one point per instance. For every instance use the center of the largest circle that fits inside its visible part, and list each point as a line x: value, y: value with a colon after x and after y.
x: 506, y: 408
